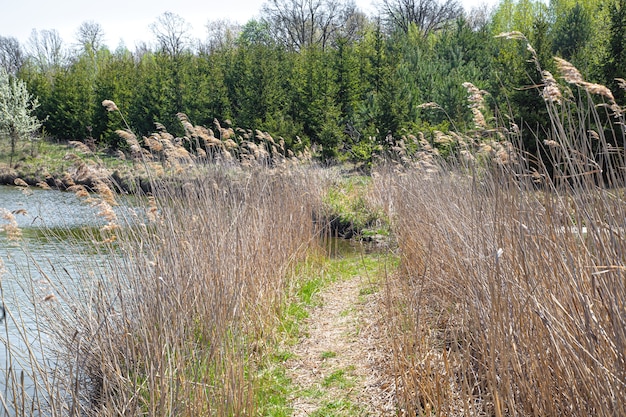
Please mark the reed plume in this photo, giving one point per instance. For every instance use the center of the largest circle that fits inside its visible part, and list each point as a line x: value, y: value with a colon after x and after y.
x: 11, y: 228
x: 109, y: 105
x: 477, y: 104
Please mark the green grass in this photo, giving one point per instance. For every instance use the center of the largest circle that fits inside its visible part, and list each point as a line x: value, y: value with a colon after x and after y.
x: 328, y: 355
x: 348, y: 207
x: 338, y: 408
x: 369, y: 290
x: 303, y: 298
x: 314, y: 392
x: 339, y: 379
x: 275, y: 388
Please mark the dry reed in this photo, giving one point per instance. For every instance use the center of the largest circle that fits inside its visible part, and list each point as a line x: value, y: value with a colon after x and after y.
x: 186, y: 301
x: 511, y: 298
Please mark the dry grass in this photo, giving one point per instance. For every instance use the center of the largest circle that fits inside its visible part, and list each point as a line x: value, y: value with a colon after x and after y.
x: 171, y: 316
x: 176, y: 302
x: 512, y: 298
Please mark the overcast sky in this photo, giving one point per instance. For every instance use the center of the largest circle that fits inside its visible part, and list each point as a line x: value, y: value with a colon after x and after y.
x: 128, y: 20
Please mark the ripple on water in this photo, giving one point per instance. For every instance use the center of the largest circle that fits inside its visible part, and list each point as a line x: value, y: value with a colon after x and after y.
x: 53, y: 224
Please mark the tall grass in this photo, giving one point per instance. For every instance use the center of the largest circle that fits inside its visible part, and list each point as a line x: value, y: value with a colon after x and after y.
x: 512, y: 296
x: 172, y: 315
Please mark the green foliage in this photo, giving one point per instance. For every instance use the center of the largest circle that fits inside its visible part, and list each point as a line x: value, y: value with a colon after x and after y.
x: 364, y: 151
x: 349, y: 211
x: 615, y: 63
x: 347, y: 99
x: 571, y: 32
x: 255, y: 32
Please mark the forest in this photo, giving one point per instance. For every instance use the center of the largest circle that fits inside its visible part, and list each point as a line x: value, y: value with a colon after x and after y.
x: 321, y: 73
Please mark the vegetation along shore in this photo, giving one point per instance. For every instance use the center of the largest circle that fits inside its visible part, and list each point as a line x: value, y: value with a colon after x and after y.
x: 400, y: 217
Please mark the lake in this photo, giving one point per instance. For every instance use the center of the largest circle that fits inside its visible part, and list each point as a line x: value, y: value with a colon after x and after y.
x: 56, y: 228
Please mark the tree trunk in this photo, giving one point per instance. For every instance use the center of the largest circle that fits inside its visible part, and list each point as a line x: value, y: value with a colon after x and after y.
x: 14, y: 136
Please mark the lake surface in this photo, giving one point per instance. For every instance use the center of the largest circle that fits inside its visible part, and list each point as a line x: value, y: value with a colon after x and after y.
x: 49, y: 250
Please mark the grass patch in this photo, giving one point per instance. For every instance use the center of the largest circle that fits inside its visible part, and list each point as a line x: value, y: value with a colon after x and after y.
x: 337, y: 408
x: 307, y: 285
x: 314, y: 393
x: 274, y: 388
x: 350, y: 211
x: 368, y: 290
x: 339, y: 379
x: 328, y: 355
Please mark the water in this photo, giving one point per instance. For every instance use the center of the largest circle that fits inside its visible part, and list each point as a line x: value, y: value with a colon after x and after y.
x: 57, y: 229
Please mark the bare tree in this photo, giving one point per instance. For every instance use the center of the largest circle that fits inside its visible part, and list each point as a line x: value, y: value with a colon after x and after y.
x: 353, y: 21
x: 46, y: 49
x: 427, y: 15
x: 300, y: 23
x: 220, y: 34
x: 172, y: 33
x: 90, y: 36
x: 478, y: 17
x: 11, y: 55
x: 141, y: 49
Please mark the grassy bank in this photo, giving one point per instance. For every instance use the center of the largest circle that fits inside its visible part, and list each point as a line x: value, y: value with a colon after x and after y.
x: 56, y: 165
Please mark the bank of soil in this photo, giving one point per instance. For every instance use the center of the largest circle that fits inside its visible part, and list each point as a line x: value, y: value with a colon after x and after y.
x: 340, y: 365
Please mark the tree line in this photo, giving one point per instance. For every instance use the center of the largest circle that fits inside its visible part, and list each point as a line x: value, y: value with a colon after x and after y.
x: 320, y: 72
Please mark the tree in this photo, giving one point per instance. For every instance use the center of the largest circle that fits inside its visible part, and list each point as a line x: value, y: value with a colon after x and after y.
x: 16, y: 108
x: 221, y: 34
x: 172, y: 33
x: 90, y: 36
x: 301, y: 23
x: 427, y: 15
x: 255, y: 32
x: 11, y: 55
x: 615, y: 62
x: 46, y: 50
x: 571, y: 32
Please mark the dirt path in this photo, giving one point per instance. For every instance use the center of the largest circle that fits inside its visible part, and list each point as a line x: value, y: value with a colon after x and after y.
x: 338, y: 367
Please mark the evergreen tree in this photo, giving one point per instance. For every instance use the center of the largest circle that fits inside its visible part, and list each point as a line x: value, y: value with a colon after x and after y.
x: 571, y: 32
x: 615, y: 59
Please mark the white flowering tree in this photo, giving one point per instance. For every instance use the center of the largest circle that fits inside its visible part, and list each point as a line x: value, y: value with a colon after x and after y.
x: 17, y: 121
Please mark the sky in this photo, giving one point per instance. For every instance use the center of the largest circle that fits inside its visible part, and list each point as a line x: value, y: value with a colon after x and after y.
x: 129, y: 21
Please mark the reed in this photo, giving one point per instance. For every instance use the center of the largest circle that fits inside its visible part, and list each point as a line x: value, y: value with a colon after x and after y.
x: 178, y: 299
x: 511, y: 298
